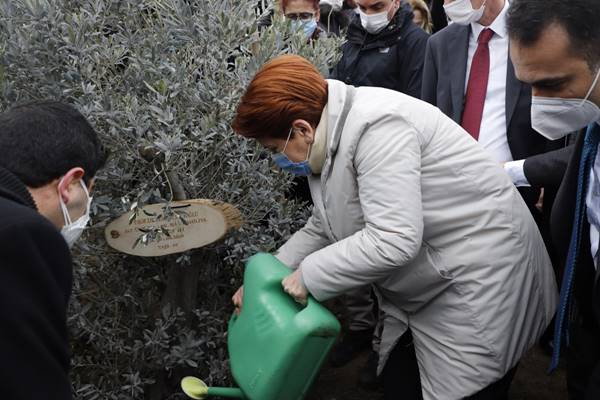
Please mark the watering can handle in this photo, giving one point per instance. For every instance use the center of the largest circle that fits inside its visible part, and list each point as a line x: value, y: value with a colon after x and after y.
x: 311, y: 301
x: 325, y: 331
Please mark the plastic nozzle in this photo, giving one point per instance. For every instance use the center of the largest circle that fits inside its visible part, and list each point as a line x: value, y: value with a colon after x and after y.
x: 196, y: 389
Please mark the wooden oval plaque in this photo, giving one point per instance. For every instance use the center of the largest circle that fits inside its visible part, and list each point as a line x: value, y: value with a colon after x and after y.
x: 158, y: 230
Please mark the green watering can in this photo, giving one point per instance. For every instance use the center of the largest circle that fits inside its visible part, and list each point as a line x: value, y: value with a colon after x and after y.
x: 276, y: 346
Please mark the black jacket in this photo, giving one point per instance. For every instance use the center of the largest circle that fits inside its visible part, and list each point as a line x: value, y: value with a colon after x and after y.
x: 547, y: 170
x: 35, y: 285
x: 391, y: 59
x: 438, y: 15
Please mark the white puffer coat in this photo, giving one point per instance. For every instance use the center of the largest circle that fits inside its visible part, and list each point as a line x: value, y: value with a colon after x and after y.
x: 408, y: 201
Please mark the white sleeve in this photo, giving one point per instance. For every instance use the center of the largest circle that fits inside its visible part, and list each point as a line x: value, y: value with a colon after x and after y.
x: 515, y: 171
x: 304, y: 242
x: 388, y: 168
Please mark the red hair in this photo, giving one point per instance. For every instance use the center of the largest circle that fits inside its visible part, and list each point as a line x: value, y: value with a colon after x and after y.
x: 286, y: 88
x: 284, y: 4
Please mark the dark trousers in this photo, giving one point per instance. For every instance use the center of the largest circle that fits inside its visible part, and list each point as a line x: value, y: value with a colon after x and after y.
x: 583, y: 362
x: 401, y: 376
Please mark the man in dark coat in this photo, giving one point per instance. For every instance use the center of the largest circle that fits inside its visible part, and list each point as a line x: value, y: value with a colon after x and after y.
x: 50, y: 155
x: 554, y: 47
x: 391, y: 58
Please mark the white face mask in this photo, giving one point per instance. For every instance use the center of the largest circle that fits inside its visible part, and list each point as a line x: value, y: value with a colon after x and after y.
x: 71, y: 231
x: 461, y: 12
x: 374, y: 23
x: 555, y: 117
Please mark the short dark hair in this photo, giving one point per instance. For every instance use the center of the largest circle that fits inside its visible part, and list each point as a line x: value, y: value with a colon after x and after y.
x: 41, y: 141
x: 527, y: 19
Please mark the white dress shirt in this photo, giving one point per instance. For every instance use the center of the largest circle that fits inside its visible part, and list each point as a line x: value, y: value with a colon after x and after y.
x: 592, y: 202
x: 516, y: 171
x: 492, y: 135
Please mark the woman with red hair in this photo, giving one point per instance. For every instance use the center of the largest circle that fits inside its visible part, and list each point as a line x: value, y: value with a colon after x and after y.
x: 406, y: 200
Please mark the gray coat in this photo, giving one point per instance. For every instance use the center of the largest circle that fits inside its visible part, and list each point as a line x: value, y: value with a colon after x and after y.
x: 411, y: 203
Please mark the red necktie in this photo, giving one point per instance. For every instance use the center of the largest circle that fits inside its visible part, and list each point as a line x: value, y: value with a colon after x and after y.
x: 477, y: 86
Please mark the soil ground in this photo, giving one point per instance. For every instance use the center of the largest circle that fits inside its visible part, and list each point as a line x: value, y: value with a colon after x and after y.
x: 530, y: 383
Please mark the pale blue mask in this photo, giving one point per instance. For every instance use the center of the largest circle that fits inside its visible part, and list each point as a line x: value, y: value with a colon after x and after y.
x: 301, y: 168
x: 308, y: 26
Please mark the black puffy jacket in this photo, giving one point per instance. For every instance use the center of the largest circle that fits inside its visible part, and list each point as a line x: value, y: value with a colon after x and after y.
x: 392, y: 58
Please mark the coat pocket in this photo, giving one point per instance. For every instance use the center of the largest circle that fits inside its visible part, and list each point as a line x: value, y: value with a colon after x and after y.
x: 412, y: 286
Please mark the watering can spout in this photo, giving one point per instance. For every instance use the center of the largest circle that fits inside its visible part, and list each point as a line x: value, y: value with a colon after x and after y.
x: 197, y: 389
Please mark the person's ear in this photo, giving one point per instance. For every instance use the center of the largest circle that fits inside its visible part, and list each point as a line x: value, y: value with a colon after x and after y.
x: 305, y: 130
x: 68, y: 183
x: 318, y: 15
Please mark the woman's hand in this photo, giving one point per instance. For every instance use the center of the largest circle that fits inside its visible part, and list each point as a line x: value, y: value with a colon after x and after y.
x: 294, y: 286
x: 237, y: 300
x: 540, y: 203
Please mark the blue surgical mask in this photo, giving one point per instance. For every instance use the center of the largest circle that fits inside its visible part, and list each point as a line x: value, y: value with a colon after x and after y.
x: 308, y: 26
x: 301, y: 168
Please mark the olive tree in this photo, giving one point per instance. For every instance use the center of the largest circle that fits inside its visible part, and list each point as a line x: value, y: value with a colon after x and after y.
x: 160, y: 81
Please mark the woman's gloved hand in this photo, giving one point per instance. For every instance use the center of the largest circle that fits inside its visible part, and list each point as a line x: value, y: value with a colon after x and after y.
x: 294, y: 286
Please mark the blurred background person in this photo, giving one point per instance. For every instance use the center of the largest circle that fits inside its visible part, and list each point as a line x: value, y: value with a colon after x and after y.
x: 422, y: 15
x: 335, y: 15
x: 305, y: 16
x: 384, y: 48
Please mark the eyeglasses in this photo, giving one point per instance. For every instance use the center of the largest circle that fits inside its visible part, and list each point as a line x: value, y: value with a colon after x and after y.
x: 303, y: 16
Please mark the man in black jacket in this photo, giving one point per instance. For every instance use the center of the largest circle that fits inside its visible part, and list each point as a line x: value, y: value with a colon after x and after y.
x: 384, y: 48
x: 555, y: 48
x: 50, y: 155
